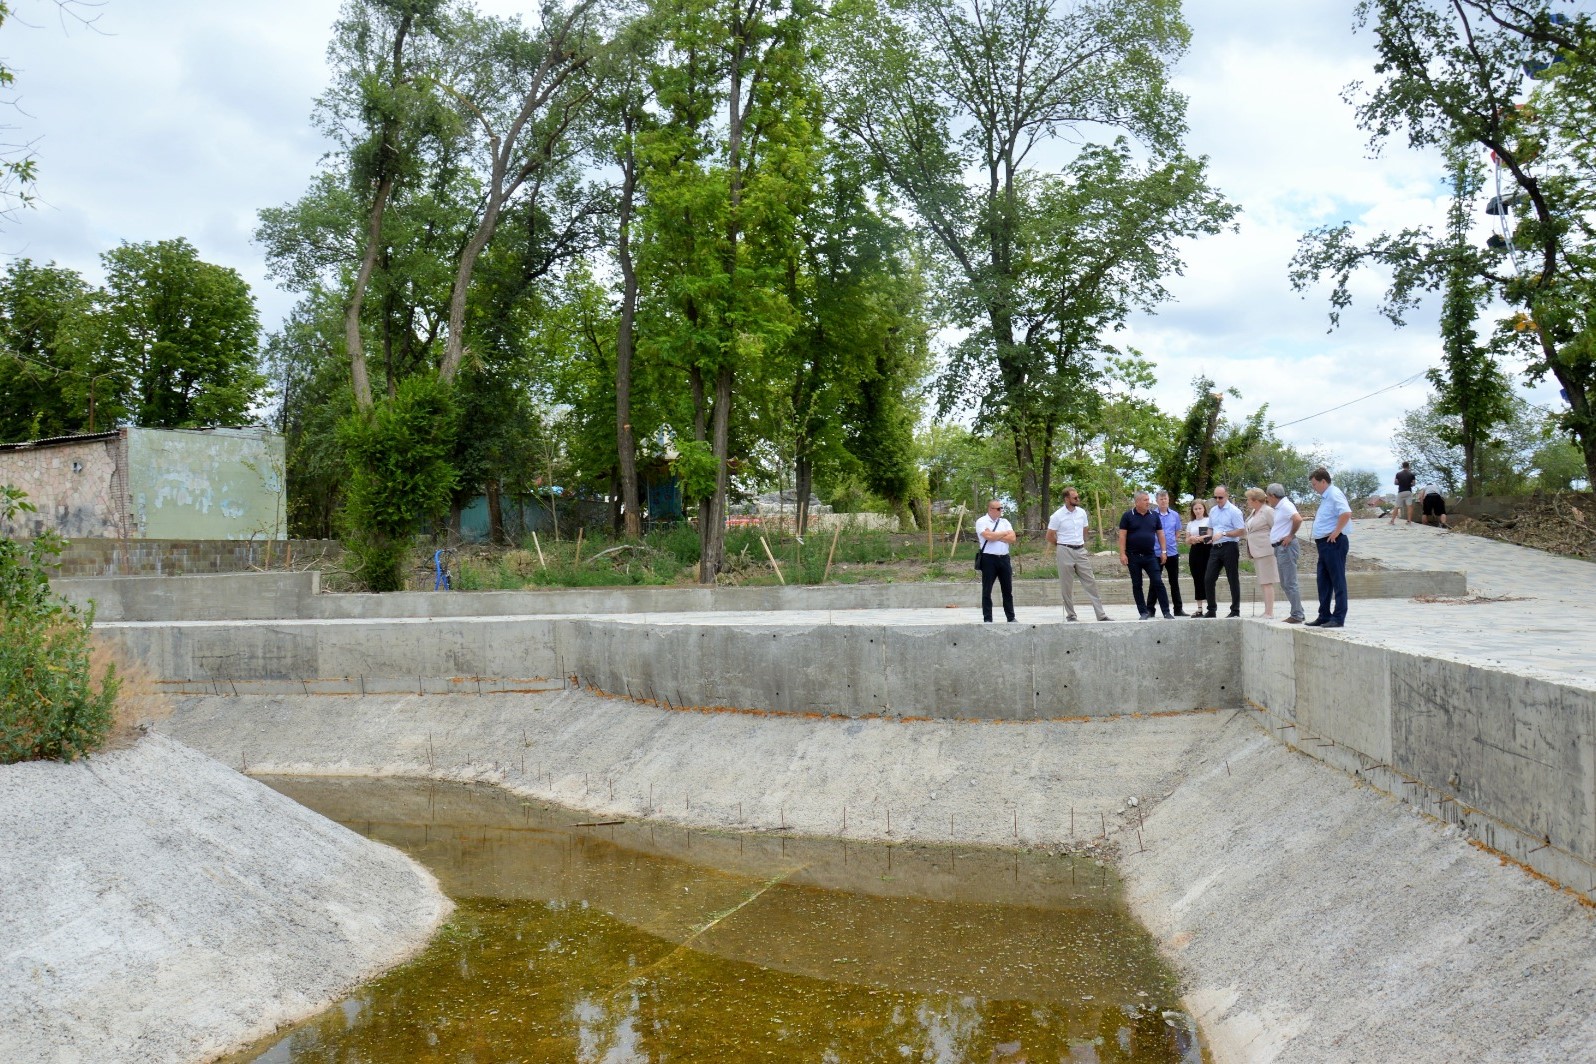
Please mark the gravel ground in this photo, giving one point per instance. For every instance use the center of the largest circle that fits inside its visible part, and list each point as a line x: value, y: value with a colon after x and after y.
x: 159, y: 906
x: 1315, y: 921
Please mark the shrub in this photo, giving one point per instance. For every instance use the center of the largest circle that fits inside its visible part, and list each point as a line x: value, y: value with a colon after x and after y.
x: 50, y: 704
x: 400, y: 476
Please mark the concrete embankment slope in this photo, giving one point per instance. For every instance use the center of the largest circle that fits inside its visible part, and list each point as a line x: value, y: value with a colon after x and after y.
x: 158, y: 906
x: 1317, y: 921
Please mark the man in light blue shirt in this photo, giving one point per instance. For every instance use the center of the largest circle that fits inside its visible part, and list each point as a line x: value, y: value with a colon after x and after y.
x: 1330, y: 537
x: 1170, y: 559
x: 1226, y: 526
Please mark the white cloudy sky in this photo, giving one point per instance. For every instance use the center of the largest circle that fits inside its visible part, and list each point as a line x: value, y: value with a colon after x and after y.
x: 184, y: 117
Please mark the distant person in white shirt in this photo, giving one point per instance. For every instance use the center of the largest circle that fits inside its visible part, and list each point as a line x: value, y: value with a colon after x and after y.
x: 1066, y: 531
x: 994, y: 533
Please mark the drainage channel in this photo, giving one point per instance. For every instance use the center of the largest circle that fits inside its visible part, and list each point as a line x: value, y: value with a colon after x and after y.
x: 577, y: 941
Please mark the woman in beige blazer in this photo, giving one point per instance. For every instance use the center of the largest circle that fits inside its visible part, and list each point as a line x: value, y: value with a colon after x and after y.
x: 1260, y: 521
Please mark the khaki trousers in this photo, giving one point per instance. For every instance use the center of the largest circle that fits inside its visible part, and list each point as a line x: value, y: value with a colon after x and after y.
x: 1075, y: 562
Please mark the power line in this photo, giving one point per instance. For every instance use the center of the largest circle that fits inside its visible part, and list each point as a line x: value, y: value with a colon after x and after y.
x: 1390, y: 387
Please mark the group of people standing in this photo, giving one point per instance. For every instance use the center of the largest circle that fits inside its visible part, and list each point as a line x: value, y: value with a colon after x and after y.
x: 1214, y: 535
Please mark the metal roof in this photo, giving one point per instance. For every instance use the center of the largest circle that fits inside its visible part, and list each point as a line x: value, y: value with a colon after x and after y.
x: 57, y: 441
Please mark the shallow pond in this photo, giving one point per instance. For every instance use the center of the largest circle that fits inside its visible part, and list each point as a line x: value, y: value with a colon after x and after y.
x: 623, y: 943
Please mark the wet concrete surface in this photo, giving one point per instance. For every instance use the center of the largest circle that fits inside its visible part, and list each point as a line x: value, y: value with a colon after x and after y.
x: 638, y: 942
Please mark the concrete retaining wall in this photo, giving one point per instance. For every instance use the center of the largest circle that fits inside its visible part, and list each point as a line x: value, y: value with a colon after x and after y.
x: 1028, y: 592
x: 1511, y: 758
x: 965, y: 671
x: 280, y: 594
x: 224, y: 596
x: 1014, y: 672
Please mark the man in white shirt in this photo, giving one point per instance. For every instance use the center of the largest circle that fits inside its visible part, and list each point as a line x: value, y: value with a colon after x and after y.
x: 1283, y: 536
x: 994, y: 533
x: 1066, y: 531
x: 1226, y: 526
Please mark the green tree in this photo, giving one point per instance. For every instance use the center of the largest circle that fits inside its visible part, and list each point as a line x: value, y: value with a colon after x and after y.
x: 1206, y: 445
x: 401, y: 475
x: 43, y: 391
x: 176, y: 338
x: 1523, y: 453
x: 1450, y: 73
x: 1471, y: 389
x: 938, y: 91
x: 725, y: 176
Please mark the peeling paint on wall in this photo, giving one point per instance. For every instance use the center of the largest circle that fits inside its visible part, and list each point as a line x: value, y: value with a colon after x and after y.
x: 212, y: 484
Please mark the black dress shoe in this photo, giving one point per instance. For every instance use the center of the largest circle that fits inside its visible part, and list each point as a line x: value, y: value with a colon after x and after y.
x: 1170, y: 616
x: 1233, y: 613
x: 1319, y: 622
x: 1334, y: 624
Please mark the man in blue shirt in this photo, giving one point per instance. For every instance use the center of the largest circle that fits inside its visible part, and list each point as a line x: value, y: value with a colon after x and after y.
x: 1141, y: 542
x: 1170, y: 559
x: 1226, y: 526
x: 1330, y: 536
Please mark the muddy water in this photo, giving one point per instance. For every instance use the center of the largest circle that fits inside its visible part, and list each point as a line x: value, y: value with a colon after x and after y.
x: 623, y: 943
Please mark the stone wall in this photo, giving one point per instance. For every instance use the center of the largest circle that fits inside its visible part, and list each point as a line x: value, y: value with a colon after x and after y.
x: 166, y: 557
x: 78, y: 487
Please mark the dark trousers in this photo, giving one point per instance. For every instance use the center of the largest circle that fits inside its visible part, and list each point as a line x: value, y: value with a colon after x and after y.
x: 1226, y: 556
x: 1147, y: 563
x: 1197, y: 561
x: 1172, y: 579
x: 997, y: 567
x: 1332, y: 576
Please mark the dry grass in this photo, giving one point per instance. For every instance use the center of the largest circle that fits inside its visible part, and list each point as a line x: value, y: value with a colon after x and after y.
x: 139, y: 702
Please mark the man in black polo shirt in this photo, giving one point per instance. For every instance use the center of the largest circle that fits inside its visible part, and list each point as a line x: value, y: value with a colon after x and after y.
x: 1141, y: 544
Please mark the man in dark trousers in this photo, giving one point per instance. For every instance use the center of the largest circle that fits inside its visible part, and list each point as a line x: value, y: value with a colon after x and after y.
x: 1404, y: 499
x: 1141, y: 546
x: 994, y: 533
x: 1226, y: 526
x: 1171, y: 556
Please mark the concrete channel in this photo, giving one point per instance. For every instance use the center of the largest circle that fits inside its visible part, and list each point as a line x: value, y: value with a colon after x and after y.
x: 1450, y: 774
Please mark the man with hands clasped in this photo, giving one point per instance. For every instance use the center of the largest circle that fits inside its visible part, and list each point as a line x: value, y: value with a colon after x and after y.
x: 995, y: 534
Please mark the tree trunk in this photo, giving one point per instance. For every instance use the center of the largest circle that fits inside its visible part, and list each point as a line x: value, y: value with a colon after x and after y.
x: 803, y: 482
x: 495, y: 513
x: 359, y: 377
x: 625, y: 439
x: 454, y: 343
x: 712, y: 534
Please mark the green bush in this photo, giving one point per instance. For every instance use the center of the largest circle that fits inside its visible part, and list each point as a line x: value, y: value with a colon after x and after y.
x: 400, y: 476
x: 50, y: 705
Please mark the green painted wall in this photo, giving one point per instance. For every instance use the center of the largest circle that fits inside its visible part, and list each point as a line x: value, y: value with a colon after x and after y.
x: 207, y: 484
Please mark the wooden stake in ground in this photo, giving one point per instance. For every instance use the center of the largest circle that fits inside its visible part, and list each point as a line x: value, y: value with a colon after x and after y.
x: 541, y: 563
x: 930, y: 546
x: 577, y: 561
x: 773, y: 563
x: 832, y: 553
x: 1097, y: 503
x: 957, y: 532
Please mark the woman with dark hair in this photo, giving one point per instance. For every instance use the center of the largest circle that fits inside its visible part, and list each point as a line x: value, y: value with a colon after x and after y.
x: 1197, y: 556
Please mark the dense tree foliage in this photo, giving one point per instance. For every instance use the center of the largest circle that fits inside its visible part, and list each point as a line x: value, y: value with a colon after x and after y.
x: 681, y: 234
x: 169, y: 341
